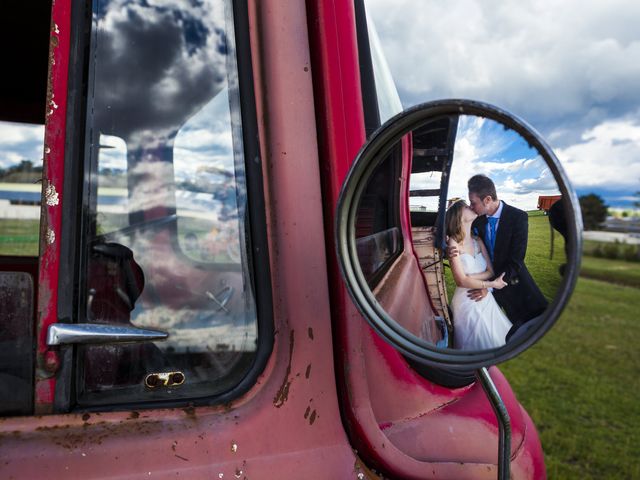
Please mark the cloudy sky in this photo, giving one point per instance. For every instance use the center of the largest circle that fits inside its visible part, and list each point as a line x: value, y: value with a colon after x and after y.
x: 571, y: 69
x: 483, y: 145
x: 19, y: 142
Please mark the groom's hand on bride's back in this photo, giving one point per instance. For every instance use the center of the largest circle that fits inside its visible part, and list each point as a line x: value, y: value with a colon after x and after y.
x: 452, y: 251
x: 477, y: 294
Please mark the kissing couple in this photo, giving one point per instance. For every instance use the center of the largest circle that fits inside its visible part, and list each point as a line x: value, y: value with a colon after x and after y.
x: 486, y: 246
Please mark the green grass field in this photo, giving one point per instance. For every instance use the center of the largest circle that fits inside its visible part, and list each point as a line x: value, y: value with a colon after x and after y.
x: 613, y: 271
x: 19, y: 237
x: 579, y: 382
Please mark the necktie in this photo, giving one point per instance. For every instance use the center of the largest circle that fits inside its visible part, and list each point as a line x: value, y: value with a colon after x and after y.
x: 492, y: 234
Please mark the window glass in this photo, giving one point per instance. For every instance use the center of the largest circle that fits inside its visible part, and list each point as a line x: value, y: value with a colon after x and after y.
x: 165, y: 230
x: 207, y: 190
x: 112, y: 202
x: 423, y: 187
x: 377, y: 225
x: 389, y: 103
x: 20, y: 187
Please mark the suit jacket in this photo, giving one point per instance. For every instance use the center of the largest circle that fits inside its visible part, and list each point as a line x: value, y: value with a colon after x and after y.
x: 521, y: 299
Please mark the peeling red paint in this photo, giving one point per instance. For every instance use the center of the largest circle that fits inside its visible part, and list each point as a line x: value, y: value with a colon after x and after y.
x: 53, y: 167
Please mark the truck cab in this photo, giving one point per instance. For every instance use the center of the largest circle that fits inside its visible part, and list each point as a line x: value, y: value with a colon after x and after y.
x: 184, y: 313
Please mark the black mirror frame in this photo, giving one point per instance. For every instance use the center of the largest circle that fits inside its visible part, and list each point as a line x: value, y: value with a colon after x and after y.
x: 372, y: 153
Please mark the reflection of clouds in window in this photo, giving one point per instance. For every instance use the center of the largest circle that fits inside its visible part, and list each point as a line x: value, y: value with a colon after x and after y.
x: 150, y: 191
x: 18, y: 142
x: 113, y: 153
x: 200, y: 330
x: 519, y: 173
x: 159, y: 63
x: 196, y: 322
x: 206, y: 170
x: 205, y: 141
x: 112, y: 183
x: 161, y: 94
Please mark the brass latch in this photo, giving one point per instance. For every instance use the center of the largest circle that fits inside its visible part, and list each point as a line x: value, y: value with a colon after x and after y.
x: 164, y: 379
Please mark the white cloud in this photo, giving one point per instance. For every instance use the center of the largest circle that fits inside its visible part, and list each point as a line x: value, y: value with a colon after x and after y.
x: 20, y: 134
x: 205, y: 138
x: 608, y: 156
x: 570, y: 68
x: 540, y: 58
x: 19, y: 141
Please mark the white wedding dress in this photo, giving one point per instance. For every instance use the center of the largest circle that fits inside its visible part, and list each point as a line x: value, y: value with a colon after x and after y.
x: 477, y: 325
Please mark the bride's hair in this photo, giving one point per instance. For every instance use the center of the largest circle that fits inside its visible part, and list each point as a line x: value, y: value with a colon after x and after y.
x: 453, y: 221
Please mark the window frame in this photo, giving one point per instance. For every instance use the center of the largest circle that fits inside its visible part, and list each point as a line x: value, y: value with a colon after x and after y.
x: 77, y: 163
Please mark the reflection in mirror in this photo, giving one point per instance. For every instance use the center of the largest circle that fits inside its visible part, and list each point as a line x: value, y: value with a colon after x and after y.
x: 460, y: 234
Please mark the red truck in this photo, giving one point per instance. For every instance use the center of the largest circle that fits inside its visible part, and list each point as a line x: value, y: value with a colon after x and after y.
x: 545, y: 202
x: 186, y: 315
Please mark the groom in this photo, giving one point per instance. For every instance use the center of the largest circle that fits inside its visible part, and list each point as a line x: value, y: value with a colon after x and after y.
x: 504, y: 231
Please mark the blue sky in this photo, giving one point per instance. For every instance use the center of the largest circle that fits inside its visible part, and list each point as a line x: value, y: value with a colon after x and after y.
x: 571, y: 69
x: 484, y: 146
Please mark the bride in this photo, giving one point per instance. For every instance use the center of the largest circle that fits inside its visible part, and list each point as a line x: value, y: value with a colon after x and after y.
x: 478, y: 325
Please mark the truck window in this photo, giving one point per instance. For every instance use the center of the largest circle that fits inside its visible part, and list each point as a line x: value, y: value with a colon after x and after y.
x: 165, y: 221
x: 20, y: 187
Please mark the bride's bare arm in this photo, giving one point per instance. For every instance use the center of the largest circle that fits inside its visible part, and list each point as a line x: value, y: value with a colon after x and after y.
x: 486, y: 275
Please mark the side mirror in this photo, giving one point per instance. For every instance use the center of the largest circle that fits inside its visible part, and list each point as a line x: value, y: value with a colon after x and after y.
x: 396, y: 217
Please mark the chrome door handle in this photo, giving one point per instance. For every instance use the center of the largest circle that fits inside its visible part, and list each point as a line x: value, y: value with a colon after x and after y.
x: 85, y: 333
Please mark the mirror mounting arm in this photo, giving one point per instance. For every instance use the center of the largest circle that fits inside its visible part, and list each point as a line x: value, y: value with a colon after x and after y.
x: 504, y: 422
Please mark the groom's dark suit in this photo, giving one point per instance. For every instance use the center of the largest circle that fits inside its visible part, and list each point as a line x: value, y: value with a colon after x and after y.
x: 521, y: 300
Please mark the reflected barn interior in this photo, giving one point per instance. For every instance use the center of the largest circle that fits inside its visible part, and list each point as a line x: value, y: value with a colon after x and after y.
x: 417, y: 205
x: 165, y: 241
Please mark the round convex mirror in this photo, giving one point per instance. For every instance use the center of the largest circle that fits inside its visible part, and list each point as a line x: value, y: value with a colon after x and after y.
x: 458, y: 234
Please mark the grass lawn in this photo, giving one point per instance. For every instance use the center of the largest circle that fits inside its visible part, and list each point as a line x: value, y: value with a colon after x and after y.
x: 19, y: 237
x: 613, y: 271
x: 580, y: 384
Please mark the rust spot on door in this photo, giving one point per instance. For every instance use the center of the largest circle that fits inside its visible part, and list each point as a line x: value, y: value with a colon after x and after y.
x: 283, y: 392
